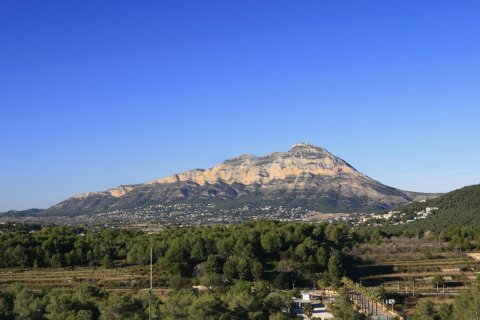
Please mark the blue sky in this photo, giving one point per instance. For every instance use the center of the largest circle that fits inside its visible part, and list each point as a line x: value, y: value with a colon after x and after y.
x: 94, y: 94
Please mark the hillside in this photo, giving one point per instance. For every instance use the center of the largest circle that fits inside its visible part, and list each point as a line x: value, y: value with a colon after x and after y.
x: 457, y: 208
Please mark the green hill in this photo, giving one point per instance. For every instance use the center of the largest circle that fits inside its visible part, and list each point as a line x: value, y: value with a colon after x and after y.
x: 459, y: 208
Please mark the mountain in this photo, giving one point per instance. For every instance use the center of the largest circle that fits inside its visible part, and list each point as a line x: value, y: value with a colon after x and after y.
x: 305, y: 178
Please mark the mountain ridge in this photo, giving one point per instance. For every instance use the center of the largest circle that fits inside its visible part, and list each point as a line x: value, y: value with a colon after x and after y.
x: 305, y: 176
x: 214, y: 174
x: 280, y: 185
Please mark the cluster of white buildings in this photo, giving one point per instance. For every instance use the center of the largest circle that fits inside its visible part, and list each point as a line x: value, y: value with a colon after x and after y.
x: 193, y: 214
x: 317, y: 300
x: 398, y: 217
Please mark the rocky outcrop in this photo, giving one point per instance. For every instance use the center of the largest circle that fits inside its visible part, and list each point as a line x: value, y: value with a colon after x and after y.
x: 300, y: 160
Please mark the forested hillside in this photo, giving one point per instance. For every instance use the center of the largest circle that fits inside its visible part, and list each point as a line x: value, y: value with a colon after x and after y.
x: 283, y: 252
x: 273, y: 255
x: 460, y: 208
x: 456, y: 213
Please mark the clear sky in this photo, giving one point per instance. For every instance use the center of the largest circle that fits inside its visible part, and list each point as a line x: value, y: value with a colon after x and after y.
x: 94, y: 94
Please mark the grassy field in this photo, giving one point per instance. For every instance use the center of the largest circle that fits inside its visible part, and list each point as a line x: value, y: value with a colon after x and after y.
x: 406, y: 269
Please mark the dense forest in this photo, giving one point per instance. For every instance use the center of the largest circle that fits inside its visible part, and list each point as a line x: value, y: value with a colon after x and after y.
x: 252, y: 269
x: 253, y: 266
x: 237, y: 301
x: 276, y: 251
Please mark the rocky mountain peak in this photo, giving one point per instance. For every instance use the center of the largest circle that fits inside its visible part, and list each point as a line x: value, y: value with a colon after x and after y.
x: 303, y: 150
x: 306, y: 147
x: 300, y: 160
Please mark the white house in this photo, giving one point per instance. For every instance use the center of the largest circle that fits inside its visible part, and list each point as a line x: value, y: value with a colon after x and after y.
x: 314, y: 298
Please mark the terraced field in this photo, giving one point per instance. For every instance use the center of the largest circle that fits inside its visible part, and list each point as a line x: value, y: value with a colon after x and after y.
x: 407, y: 269
x: 126, y: 278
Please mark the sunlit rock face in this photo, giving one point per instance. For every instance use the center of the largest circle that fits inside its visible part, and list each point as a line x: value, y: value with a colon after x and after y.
x: 302, y: 160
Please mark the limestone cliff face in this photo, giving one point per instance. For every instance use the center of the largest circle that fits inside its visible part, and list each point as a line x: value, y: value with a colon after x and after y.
x: 305, y: 175
x: 114, y: 192
x: 300, y: 160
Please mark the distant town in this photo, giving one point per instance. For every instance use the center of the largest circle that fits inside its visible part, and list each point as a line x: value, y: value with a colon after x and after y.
x: 210, y: 214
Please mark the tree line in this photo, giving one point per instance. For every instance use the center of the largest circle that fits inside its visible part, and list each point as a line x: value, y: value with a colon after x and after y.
x: 283, y: 253
x: 251, y: 269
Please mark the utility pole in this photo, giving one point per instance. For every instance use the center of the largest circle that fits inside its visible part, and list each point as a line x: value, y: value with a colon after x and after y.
x: 413, y: 289
x: 151, y: 286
